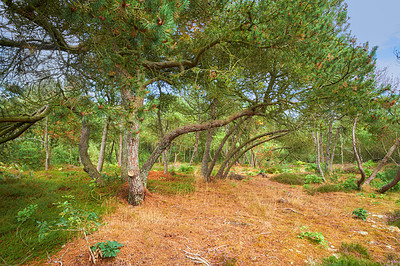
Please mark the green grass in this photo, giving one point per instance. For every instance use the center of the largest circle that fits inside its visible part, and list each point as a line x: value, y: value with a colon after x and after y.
x: 19, y: 241
x: 180, y: 185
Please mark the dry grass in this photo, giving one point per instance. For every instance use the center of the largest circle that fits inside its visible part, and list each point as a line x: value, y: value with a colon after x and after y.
x: 254, y: 222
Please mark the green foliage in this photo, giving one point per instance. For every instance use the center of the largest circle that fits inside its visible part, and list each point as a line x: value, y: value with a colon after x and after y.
x: 311, y: 167
x: 354, y: 249
x: 361, y: 213
x: 385, y: 177
x: 186, y: 168
x: 348, y: 261
x: 276, y: 169
x: 70, y: 219
x: 316, y: 237
x: 313, y: 179
x: 179, y: 185
x: 369, y: 164
x: 372, y: 195
x: 290, y: 178
x: 26, y: 213
x: 348, y: 184
x: 108, y: 249
x: 351, y: 254
x: 19, y: 230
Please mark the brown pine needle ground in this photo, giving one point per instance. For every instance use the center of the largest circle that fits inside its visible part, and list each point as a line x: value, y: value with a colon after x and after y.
x: 252, y: 222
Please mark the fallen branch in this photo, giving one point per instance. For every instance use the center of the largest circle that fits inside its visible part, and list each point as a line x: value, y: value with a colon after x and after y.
x: 196, y: 258
x: 289, y: 209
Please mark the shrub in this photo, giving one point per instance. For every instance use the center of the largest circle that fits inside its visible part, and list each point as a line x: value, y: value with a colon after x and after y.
x: 361, y: 214
x: 311, y: 167
x: 354, y: 249
x: 312, y: 179
x: 186, y: 168
x: 108, y: 249
x: 290, y: 178
x: 348, y: 184
x: 274, y: 170
x: 385, y: 177
x: 350, y: 254
x: 316, y: 237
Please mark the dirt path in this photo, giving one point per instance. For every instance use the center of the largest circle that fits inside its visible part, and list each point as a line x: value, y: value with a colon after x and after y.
x: 254, y: 222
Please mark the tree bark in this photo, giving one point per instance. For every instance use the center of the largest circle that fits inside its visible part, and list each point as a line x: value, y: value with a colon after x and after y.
x: 47, y: 146
x: 359, y: 163
x: 168, y: 138
x: 222, y: 144
x: 383, y: 162
x: 103, y: 146
x: 392, y: 183
x: 318, y: 153
x: 333, y: 150
x: 239, y: 155
x: 207, y: 147
x: 136, y: 186
x: 88, y: 167
x: 196, y: 144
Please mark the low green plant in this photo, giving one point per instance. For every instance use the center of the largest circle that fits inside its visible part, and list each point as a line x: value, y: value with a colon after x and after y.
x: 26, y: 213
x: 290, y: 178
x: 368, y: 164
x: 316, y: 237
x: 372, y: 195
x: 325, y: 188
x: 186, y: 168
x: 181, y: 185
x: 70, y: 219
x: 108, y: 249
x: 348, y: 184
x: 355, y: 249
x: 351, y: 254
x: 313, y: 179
x: 361, y: 213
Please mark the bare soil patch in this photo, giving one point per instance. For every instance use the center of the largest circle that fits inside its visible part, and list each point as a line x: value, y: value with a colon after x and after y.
x: 252, y: 222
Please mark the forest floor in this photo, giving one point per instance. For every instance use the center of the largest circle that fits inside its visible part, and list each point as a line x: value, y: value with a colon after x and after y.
x: 255, y: 221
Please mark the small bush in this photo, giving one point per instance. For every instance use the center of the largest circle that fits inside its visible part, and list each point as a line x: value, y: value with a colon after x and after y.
x: 316, y: 237
x: 290, y: 178
x: 311, y: 167
x: 274, y: 169
x: 348, y: 184
x: 186, y: 168
x: 361, y: 214
x: 327, y: 188
x: 313, y: 179
x: 385, y: 177
x: 108, y: 249
x: 369, y: 164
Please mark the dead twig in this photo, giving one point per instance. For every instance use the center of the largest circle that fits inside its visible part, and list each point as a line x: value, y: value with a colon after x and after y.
x: 289, y: 209
x: 196, y: 258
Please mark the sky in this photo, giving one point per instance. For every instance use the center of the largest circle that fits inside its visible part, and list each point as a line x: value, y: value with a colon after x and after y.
x: 378, y: 22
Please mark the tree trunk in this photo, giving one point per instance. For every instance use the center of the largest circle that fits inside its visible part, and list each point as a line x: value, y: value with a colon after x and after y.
x: 384, y: 160
x: 206, y: 155
x: 359, y: 163
x: 333, y: 150
x: 136, y: 186
x: 328, y: 145
x: 121, y: 141
x: 111, y: 151
x: 392, y: 183
x: 47, y: 146
x: 168, y: 138
x: 103, y: 146
x: 196, y: 144
x: 88, y: 167
x: 318, y: 153
x: 222, y: 144
x: 239, y: 155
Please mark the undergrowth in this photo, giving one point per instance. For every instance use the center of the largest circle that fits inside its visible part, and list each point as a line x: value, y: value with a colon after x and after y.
x: 290, y: 178
x: 181, y: 185
x: 31, y: 198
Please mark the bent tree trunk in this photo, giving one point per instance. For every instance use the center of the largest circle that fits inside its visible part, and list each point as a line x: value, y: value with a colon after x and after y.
x: 88, y: 167
x: 384, y: 160
x: 103, y: 146
x: 359, y: 163
x: 392, y: 183
x: 168, y: 138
